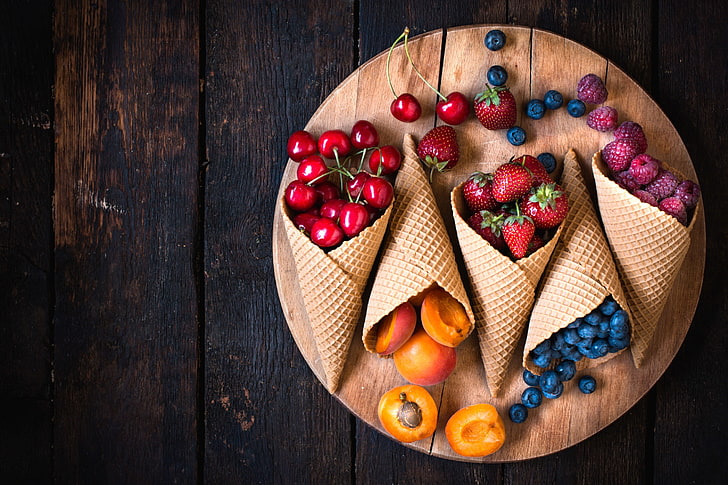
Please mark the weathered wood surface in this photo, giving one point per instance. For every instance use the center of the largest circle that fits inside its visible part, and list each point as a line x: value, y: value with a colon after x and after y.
x: 125, y: 359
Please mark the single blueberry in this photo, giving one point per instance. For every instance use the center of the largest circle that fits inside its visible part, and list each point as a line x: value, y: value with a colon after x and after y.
x: 573, y: 354
x: 598, y: 349
x: 619, y: 320
x: 571, y: 336
x: 557, y: 391
x: 531, y: 397
x: 495, y: 40
x: 548, y: 161
x: 603, y: 329
x: 530, y: 378
x: 518, y: 413
x: 617, y: 344
x: 543, y: 360
x: 617, y: 334
x: 542, y: 348
x: 567, y: 351
x: 584, y: 345
x: 576, y: 108
x: 575, y: 323
x: 497, y: 75
x: 535, y: 109
x: 549, y: 380
x: 516, y: 136
x: 586, y: 330
x: 593, y: 318
x: 566, y: 370
x: 553, y: 99
x: 557, y: 341
x: 587, y: 384
x: 608, y: 307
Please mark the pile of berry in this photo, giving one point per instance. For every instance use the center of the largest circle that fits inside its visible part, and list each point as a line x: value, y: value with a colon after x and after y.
x: 330, y: 213
x: 517, y: 208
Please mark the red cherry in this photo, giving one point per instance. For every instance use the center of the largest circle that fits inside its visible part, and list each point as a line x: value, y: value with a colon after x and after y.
x: 406, y: 108
x: 326, y: 233
x: 301, y: 144
x: 331, y: 208
x: 388, y: 157
x: 300, y: 197
x: 311, y: 169
x: 353, y: 218
x: 334, y: 140
x: 305, y: 221
x: 327, y: 191
x: 354, y: 186
x: 364, y: 135
x: 378, y: 192
x: 454, y: 110
x: 373, y: 213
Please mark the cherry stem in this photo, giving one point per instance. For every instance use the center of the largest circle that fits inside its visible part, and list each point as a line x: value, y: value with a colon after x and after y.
x: 389, y: 56
x: 406, y: 51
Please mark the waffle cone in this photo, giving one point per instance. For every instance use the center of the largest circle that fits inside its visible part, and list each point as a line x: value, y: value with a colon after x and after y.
x: 332, y: 285
x: 503, y: 292
x: 581, y: 273
x: 417, y: 252
x: 649, y: 247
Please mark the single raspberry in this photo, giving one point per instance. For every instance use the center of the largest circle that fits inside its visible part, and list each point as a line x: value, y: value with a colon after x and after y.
x: 644, y: 168
x: 618, y: 153
x: 645, y: 197
x: 675, y: 207
x: 689, y: 192
x: 625, y: 180
x: 591, y: 89
x: 603, y: 119
x: 629, y: 130
x: 663, y: 185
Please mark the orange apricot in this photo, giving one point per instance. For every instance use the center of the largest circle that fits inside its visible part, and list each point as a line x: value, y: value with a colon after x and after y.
x: 444, y: 318
x: 395, y: 329
x: 408, y: 413
x: 476, y: 430
x: 423, y: 361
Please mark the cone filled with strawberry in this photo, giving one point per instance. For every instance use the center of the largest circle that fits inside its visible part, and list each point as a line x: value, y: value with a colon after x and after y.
x: 507, y: 224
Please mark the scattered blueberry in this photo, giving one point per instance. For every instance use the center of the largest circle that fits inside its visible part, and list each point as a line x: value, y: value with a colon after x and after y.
x: 516, y: 136
x: 566, y: 370
x: 530, y: 378
x: 535, y: 109
x: 518, y: 413
x: 549, y: 381
x: 497, y: 75
x: 587, y: 384
x: 553, y: 99
x: 548, y: 161
x: 576, y: 108
x: 495, y: 40
x: 531, y: 397
x: 555, y: 393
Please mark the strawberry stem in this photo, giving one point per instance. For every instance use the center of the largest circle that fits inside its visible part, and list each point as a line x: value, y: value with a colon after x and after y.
x: 406, y: 51
x: 389, y: 56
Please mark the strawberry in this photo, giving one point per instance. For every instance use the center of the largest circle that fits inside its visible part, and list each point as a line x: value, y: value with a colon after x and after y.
x: 518, y: 230
x: 511, y: 181
x: 540, y: 175
x: 478, y: 192
x: 488, y: 226
x: 438, y: 149
x: 495, y: 108
x: 547, y: 206
x: 537, y: 242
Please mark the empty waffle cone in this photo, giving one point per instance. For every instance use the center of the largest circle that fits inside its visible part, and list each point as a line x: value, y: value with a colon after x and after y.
x: 332, y: 285
x: 503, y: 292
x: 649, y: 247
x: 417, y: 252
x: 581, y: 273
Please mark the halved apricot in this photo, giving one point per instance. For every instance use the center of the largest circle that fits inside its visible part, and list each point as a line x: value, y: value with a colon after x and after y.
x: 476, y: 430
x: 423, y: 361
x: 408, y: 413
x: 444, y: 318
x: 395, y: 329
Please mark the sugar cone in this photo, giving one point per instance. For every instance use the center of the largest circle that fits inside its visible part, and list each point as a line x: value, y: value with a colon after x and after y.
x: 503, y: 292
x: 581, y: 273
x: 332, y: 285
x: 649, y: 247
x: 417, y: 251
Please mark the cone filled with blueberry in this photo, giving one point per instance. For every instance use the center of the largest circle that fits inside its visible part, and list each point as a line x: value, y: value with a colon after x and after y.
x: 507, y: 224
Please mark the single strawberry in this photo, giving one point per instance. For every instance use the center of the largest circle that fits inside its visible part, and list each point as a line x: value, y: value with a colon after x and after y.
x: 537, y: 242
x: 478, y: 192
x: 495, y: 108
x: 518, y: 230
x: 511, y: 181
x: 438, y: 149
x: 488, y: 226
x: 538, y: 171
x: 547, y: 205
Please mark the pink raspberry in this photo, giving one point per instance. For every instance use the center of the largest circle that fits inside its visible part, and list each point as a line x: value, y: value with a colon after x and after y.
x: 618, y: 153
x: 644, y: 168
x: 591, y: 89
x: 675, y: 207
x: 632, y: 131
x: 645, y: 197
x: 663, y: 185
x: 603, y: 118
x: 625, y: 180
x: 689, y: 192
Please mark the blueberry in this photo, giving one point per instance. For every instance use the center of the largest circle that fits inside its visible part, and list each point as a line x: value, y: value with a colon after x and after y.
x: 587, y: 384
x: 575, y: 323
x: 598, y: 349
x: 497, y: 76
x: 549, y: 380
x: 566, y: 370
x: 516, y: 136
x: 518, y: 413
x: 531, y: 397
x: 530, y: 378
x: 558, y: 390
x: 617, y: 344
x: 495, y: 40
x: 553, y: 99
x: 584, y: 346
x: 557, y: 341
x: 587, y: 331
x: 571, y: 336
x: 535, y: 109
x: 576, y: 108
x: 603, y: 329
x: 619, y: 321
x: 543, y: 360
x: 569, y: 352
x: 548, y: 161
x: 608, y: 307
x: 542, y: 348
x: 594, y: 318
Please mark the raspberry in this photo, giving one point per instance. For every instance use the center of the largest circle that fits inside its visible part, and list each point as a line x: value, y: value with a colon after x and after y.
x: 626, y: 181
x: 618, y: 153
x: 645, y: 197
x: 675, y: 207
x: 591, y: 89
x: 689, y: 192
x: 663, y: 185
x: 644, y: 168
x: 602, y: 119
x: 632, y: 131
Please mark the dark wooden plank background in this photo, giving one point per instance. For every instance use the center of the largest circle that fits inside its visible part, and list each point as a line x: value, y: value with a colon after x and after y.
x: 141, y: 148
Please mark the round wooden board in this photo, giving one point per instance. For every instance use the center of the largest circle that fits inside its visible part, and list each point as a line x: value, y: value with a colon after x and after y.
x: 536, y: 62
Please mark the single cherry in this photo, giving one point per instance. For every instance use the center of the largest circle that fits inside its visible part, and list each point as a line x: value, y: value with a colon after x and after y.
x: 364, y: 135
x: 327, y: 191
x: 334, y: 141
x: 373, y: 213
x: 353, y: 218
x: 312, y: 170
x: 331, y: 208
x: 354, y: 185
x: 406, y: 108
x: 300, y: 197
x: 305, y: 221
x: 326, y: 233
x: 388, y: 157
x: 454, y: 109
x: 378, y: 192
x: 301, y: 144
